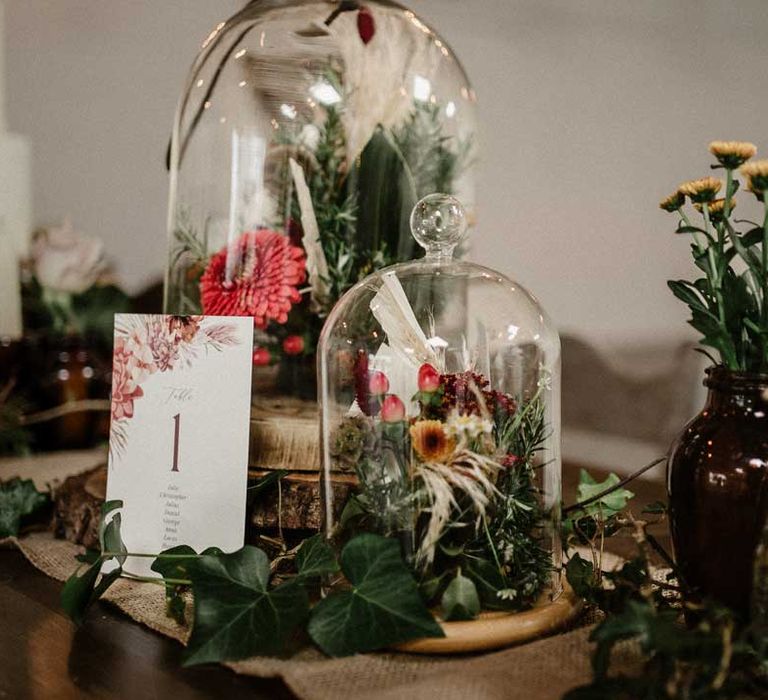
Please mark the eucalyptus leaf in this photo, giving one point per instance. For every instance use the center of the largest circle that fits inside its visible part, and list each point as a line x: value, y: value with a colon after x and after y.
x: 460, y: 600
x: 19, y: 499
x: 237, y: 615
x: 382, y: 608
x: 316, y: 558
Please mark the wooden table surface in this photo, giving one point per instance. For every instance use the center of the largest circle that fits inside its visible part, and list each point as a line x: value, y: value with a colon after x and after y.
x: 43, y: 655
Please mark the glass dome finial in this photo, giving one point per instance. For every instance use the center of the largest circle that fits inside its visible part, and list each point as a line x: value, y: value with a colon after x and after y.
x: 438, y: 223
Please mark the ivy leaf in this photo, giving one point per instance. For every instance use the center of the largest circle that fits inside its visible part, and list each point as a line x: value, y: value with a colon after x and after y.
x: 236, y: 614
x: 580, y: 574
x: 82, y: 589
x: 78, y: 591
x: 382, y: 608
x: 106, y: 508
x: 172, y: 564
x: 316, y: 558
x: 18, y: 500
x: 460, y: 600
x: 608, y: 505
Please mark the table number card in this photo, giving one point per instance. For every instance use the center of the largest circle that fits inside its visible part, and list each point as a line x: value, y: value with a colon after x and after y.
x: 178, y: 449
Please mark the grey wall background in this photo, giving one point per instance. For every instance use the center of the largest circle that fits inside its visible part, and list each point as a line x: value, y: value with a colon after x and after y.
x: 591, y: 111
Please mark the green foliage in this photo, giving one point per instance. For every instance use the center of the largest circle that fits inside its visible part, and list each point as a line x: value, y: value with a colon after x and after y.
x: 15, y: 439
x: 88, y: 583
x: 90, y: 313
x: 237, y: 614
x: 316, y: 558
x: 19, y: 501
x: 383, y: 606
x: 690, y: 648
x: 172, y: 564
x: 729, y: 303
x: 460, y: 600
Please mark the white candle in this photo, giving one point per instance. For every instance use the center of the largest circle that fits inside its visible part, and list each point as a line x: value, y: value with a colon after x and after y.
x: 10, y: 287
x: 15, y: 210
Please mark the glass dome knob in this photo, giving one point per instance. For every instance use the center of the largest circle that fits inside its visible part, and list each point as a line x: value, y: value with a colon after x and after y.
x: 438, y: 223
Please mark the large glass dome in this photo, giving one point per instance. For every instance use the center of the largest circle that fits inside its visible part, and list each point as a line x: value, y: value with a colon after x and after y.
x: 440, y: 401
x: 307, y: 131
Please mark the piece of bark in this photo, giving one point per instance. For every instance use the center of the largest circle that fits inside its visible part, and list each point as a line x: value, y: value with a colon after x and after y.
x: 77, y: 507
x: 294, y: 504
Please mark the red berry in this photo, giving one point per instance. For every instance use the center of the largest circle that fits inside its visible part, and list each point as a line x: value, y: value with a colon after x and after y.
x: 392, y: 409
x: 429, y: 379
x: 293, y: 345
x: 378, y: 384
x: 261, y: 357
x: 366, y: 27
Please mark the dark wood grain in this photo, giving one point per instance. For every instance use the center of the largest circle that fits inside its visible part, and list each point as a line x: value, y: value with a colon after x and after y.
x: 43, y: 655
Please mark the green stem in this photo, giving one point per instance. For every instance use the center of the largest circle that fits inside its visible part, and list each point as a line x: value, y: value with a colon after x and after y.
x: 157, y: 581
x: 765, y: 282
x: 143, y: 555
x: 688, y: 223
x: 714, y: 281
x: 493, y: 548
x: 728, y: 185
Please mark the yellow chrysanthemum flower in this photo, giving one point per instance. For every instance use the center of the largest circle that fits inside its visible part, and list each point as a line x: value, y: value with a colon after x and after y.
x: 756, y: 173
x: 430, y: 441
x: 673, y: 202
x: 702, y: 190
x: 716, y: 208
x: 732, y: 154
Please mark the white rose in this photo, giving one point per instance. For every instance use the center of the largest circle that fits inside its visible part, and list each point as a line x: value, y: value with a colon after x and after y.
x: 67, y: 261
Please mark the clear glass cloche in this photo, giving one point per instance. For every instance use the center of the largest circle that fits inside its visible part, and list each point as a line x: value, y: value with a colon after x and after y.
x: 440, y: 420
x: 307, y: 131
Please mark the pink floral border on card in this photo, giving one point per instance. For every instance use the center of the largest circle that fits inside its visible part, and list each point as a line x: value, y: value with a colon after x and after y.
x: 146, y: 344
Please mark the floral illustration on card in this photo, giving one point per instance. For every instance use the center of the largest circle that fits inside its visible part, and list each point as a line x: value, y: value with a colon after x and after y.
x: 147, y: 344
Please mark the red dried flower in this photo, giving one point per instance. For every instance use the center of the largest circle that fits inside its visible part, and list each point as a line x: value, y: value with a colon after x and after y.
x: 293, y: 345
x: 366, y: 27
x: 264, y: 273
x: 461, y: 389
x: 261, y: 357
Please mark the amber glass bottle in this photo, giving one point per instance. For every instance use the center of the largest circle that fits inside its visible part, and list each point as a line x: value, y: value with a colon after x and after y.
x: 717, y: 483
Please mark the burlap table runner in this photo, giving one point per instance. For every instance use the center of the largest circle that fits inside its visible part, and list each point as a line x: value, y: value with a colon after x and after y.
x: 540, y: 670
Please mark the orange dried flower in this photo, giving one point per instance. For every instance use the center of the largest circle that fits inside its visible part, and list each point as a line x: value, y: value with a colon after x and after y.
x: 731, y: 154
x: 430, y: 441
x: 702, y: 190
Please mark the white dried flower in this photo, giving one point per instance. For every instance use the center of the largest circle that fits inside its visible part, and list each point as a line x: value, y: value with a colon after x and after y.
x: 467, y: 426
x: 309, y: 137
x: 507, y: 593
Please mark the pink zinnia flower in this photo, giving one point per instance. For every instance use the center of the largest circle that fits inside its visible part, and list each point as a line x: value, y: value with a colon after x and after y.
x: 261, y: 280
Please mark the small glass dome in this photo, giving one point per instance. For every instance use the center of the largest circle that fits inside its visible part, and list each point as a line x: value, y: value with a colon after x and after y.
x: 307, y: 131
x: 440, y: 401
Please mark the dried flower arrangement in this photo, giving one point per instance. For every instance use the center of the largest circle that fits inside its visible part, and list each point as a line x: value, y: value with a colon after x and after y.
x: 729, y: 303
x: 339, y: 180
x: 456, y: 484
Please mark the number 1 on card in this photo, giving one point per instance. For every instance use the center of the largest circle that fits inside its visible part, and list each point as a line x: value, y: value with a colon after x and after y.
x: 176, y: 424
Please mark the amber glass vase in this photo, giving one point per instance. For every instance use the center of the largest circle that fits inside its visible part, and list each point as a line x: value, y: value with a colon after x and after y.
x: 717, y: 482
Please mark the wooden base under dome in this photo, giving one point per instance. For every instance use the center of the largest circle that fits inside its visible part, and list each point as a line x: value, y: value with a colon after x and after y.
x: 494, y: 630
